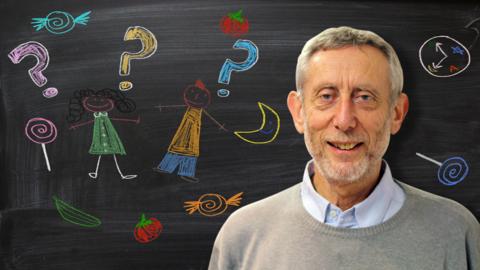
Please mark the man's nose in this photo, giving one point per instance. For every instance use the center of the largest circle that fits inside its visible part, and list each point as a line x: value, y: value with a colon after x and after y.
x: 345, y: 117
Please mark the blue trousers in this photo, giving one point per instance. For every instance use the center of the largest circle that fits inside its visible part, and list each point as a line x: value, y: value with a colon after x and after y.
x: 186, y: 164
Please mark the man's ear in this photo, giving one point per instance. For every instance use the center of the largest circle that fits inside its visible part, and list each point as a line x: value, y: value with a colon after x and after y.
x: 295, y: 106
x: 399, y: 113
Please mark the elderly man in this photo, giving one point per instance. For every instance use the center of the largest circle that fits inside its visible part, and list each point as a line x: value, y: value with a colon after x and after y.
x: 349, y: 212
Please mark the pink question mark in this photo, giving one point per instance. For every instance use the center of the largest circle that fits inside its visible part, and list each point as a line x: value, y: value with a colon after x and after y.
x: 41, y: 53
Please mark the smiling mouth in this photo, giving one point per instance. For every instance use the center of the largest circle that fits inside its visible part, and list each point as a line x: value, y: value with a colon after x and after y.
x: 98, y: 106
x: 345, y: 146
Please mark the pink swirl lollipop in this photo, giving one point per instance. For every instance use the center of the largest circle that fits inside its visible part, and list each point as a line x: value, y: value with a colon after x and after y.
x: 42, y: 131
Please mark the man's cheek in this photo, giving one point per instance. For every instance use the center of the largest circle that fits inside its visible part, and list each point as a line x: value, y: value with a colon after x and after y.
x: 317, y: 121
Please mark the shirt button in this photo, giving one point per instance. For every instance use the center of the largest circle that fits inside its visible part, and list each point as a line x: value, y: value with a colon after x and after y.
x: 333, y: 214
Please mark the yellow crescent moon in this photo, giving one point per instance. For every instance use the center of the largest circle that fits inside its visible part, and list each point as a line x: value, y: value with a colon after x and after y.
x: 267, y: 132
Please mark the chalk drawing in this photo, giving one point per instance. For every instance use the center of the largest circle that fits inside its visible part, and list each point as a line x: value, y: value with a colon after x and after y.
x: 36, y: 49
x: 268, y: 130
x: 60, y: 22
x: 149, y: 46
x: 74, y: 215
x: 229, y: 65
x: 105, y: 139
x: 42, y: 131
x: 212, y: 204
x: 452, y: 171
x: 184, y: 148
x: 472, y: 26
x: 443, y: 56
x: 147, y: 230
x: 234, y: 24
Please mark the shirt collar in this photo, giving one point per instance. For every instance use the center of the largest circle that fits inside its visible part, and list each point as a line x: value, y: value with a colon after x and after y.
x: 368, y: 212
x: 373, y: 209
x: 315, y: 204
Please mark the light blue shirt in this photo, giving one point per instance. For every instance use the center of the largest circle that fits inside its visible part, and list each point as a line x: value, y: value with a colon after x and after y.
x: 384, y: 201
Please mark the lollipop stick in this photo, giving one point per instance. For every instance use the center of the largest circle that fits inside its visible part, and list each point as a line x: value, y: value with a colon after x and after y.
x: 429, y: 159
x: 46, y: 156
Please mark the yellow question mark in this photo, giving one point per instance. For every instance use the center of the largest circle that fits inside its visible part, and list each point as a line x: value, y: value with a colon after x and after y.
x: 149, y: 46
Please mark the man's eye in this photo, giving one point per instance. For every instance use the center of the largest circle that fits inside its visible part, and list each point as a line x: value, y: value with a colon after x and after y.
x: 364, y: 98
x: 326, y: 97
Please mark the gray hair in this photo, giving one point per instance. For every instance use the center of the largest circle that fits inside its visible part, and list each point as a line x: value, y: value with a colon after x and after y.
x: 338, y: 37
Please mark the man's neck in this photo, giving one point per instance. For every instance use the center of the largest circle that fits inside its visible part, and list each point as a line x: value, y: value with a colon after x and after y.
x: 346, y: 194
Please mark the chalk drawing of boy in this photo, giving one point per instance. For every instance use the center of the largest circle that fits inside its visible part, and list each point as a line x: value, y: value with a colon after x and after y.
x: 184, y: 148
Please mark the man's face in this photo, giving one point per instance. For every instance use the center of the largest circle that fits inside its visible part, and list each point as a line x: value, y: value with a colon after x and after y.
x: 346, y: 115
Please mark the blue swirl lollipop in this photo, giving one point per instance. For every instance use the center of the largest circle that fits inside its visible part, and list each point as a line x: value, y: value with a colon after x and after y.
x: 59, y: 22
x: 452, y: 171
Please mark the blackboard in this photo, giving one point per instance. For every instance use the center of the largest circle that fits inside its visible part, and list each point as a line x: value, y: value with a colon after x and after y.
x: 443, y: 121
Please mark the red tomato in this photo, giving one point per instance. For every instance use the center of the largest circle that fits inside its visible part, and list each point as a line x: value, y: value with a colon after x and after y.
x: 234, y: 24
x: 147, y: 230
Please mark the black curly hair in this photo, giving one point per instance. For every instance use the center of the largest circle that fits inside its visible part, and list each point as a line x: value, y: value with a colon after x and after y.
x: 76, y: 109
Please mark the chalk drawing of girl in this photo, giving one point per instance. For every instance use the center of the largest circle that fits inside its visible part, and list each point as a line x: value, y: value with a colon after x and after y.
x: 184, y: 149
x: 105, y: 139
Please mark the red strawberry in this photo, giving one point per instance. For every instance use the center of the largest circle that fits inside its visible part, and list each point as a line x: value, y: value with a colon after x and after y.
x: 234, y: 24
x: 147, y: 230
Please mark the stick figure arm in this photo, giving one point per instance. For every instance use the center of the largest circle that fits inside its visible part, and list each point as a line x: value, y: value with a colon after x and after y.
x: 216, y: 122
x: 134, y: 120
x: 80, y: 124
x: 160, y: 106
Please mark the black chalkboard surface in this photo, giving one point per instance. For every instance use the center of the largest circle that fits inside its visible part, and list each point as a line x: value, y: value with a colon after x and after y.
x: 173, y: 147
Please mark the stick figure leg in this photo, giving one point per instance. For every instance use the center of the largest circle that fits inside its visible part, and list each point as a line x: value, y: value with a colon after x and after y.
x: 169, y: 163
x: 128, y: 176
x: 94, y: 175
x: 187, y: 169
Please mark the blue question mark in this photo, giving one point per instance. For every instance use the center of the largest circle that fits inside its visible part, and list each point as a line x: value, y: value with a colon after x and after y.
x: 229, y: 65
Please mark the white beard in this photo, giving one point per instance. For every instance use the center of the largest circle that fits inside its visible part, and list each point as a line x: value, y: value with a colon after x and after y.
x: 348, y: 172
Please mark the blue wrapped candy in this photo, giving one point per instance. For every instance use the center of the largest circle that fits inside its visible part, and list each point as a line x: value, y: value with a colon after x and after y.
x: 59, y: 22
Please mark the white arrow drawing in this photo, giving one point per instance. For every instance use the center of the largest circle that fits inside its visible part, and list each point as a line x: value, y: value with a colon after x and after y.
x: 432, y: 68
x: 437, y: 48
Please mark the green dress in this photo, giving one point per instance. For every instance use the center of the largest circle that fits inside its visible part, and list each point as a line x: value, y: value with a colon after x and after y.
x: 105, y: 138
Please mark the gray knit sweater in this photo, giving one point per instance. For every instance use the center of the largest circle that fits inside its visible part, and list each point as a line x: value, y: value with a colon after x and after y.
x: 428, y: 232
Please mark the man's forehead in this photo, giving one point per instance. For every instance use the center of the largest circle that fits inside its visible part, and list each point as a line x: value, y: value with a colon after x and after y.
x: 364, y: 65
x: 360, y: 51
